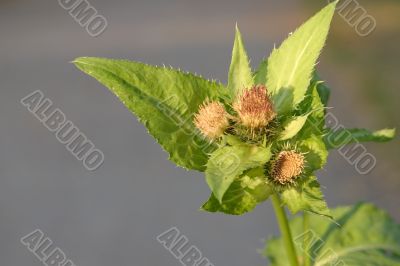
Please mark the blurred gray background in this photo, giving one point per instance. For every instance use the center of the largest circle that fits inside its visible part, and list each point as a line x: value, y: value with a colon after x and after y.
x: 111, y: 216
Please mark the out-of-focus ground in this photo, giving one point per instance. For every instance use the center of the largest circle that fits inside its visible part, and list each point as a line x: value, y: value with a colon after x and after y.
x: 112, y: 216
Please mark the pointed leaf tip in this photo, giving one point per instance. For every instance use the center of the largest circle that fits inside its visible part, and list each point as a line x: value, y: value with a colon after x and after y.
x: 240, y: 75
x: 166, y: 111
x: 290, y: 67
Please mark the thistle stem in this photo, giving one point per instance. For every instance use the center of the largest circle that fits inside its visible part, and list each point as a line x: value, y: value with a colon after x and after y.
x: 285, y: 230
x: 306, y: 225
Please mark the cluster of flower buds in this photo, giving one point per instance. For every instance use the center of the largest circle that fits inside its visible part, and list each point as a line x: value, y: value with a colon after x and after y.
x: 254, y: 110
x: 253, y: 107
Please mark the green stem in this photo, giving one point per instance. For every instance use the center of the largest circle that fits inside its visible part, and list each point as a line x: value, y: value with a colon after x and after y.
x: 306, y: 225
x: 285, y: 230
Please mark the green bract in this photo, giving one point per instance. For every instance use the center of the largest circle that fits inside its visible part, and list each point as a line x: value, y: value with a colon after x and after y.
x: 229, y: 162
x: 243, y: 195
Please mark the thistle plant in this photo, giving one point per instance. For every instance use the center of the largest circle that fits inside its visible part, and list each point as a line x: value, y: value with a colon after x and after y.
x: 261, y: 136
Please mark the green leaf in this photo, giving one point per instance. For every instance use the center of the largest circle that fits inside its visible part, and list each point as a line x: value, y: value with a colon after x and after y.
x: 309, y: 117
x: 366, y: 236
x: 344, y: 136
x: 315, y: 152
x: 324, y: 91
x: 233, y: 140
x: 290, y: 67
x: 227, y: 163
x: 313, y: 103
x: 243, y: 195
x: 293, y: 126
x: 315, y: 123
x: 164, y: 101
x: 240, y: 75
x: 306, y: 196
x: 260, y: 77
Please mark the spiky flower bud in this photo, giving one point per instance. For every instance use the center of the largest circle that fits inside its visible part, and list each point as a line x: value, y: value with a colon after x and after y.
x: 287, y: 166
x: 254, y: 107
x: 211, y: 119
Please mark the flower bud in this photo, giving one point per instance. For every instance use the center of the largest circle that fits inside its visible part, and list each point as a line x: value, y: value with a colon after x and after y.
x: 211, y: 119
x: 254, y: 107
x: 287, y: 166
